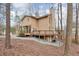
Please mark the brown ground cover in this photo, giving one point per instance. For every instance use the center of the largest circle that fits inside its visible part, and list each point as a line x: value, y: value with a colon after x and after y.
x: 32, y: 48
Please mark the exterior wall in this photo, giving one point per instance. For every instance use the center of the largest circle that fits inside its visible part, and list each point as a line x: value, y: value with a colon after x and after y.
x: 34, y: 24
x: 30, y: 21
x: 53, y: 20
x: 47, y: 23
x: 26, y: 21
x: 44, y: 24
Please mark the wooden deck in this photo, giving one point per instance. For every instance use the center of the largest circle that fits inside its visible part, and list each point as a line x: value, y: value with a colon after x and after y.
x: 45, y: 34
x: 42, y: 34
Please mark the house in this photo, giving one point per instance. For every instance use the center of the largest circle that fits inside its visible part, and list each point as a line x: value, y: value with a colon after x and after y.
x: 38, y: 26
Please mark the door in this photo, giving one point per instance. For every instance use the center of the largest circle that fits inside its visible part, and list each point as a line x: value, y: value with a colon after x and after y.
x: 27, y: 29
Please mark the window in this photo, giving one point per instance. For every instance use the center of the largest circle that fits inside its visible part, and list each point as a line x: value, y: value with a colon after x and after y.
x: 27, y: 29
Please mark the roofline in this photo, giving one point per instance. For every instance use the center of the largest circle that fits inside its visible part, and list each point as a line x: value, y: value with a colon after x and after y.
x: 35, y: 17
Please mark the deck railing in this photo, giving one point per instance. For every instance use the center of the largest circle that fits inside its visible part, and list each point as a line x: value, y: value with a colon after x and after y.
x: 47, y: 33
x: 43, y: 32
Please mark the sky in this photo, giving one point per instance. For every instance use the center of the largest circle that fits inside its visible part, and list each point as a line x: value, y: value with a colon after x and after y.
x: 34, y: 6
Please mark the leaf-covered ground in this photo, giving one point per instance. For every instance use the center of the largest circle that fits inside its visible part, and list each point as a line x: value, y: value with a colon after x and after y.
x: 32, y: 48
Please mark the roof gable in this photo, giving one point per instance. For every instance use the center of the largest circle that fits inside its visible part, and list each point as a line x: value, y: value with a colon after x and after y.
x: 37, y: 18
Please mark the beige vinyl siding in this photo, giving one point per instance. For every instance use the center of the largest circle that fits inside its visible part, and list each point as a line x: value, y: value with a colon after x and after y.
x: 39, y: 24
x: 26, y: 21
x: 34, y: 23
x: 44, y: 24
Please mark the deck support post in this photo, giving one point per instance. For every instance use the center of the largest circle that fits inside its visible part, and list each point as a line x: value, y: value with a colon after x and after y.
x: 44, y: 35
x: 49, y: 35
x: 39, y: 34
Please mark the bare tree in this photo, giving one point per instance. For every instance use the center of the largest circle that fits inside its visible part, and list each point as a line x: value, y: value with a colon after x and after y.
x: 76, y: 34
x: 61, y: 19
x: 68, y: 29
x: 1, y: 17
x: 0, y: 20
x: 7, y: 41
x: 58, y: 17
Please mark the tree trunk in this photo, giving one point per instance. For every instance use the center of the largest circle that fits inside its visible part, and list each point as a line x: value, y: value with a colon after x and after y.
x: 58, y: 17
x: 0, y: 19
x: 68, y: 29
x: 76, y: 34
x: 61, y: 19
x: 7, y: 41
